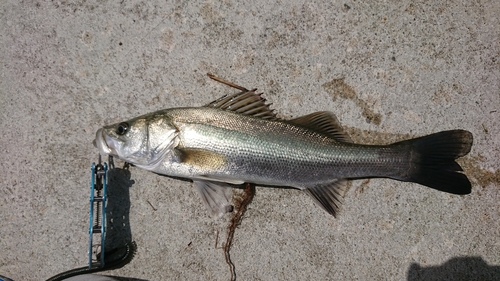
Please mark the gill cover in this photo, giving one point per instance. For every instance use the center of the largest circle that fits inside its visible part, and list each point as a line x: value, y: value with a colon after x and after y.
x: 144, y: 141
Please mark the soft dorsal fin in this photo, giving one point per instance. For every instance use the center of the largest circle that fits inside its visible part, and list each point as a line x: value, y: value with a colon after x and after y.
x: 323, y: 122
x: 246, y: 103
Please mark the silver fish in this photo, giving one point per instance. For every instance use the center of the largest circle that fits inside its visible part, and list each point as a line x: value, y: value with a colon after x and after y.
x: 238, y: 139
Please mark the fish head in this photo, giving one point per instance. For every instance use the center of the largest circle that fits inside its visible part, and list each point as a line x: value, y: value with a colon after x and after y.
x: 144, y: 141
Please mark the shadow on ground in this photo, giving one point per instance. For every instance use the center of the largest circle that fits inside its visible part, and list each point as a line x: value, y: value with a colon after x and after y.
x: 96, y: 277
x: 119, y: 247
x: 118, y: 230
x: 463, y: 268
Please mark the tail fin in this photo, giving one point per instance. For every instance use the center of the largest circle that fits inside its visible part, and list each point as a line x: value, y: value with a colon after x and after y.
x: 433, y: 161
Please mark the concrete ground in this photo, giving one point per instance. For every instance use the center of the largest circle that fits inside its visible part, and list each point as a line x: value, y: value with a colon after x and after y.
x: 389, y: 70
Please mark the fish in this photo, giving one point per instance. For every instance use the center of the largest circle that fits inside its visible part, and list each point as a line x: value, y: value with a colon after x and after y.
x: 239, y: 139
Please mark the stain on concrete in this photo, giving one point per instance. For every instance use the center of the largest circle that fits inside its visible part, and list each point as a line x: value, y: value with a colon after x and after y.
x: 338, y: 88
x: 210, y: 14
x: 443, y: 95
x: 374, y: 137
x: 484, y: 177
x: 167, y: 40
x: 363, y: 187
x: 88, y: 38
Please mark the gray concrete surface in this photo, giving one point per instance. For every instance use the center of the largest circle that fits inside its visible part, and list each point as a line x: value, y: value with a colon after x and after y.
x: 388, y: 69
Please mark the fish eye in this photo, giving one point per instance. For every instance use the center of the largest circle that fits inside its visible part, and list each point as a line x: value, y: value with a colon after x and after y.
x: 122, y: 128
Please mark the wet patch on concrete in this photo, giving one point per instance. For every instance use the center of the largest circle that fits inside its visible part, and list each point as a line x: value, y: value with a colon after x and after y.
x: 338, y: 88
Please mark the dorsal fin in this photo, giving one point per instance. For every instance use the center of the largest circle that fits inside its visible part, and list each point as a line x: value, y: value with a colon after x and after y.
x: 246, y: 103
x: 323, y: 122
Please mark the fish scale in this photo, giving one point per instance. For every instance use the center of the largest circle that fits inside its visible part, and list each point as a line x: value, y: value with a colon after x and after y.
x: 283, y: 149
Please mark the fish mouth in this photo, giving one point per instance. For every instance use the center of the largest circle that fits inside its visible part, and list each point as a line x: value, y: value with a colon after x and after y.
x: 105, y: 143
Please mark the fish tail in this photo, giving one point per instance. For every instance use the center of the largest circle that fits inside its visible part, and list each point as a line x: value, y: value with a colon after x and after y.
x: 432, y: 161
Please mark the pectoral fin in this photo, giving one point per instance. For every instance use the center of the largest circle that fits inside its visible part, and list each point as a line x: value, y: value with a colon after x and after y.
x: 215, y: 196
x: 329, y: 196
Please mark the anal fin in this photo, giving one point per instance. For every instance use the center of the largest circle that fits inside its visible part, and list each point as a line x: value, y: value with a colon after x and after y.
x: 329, y: 196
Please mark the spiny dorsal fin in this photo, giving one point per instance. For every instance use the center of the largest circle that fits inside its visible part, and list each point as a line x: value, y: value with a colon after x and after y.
x: 246, y: 103
x: 329, y: 196
x: 323, y: 122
